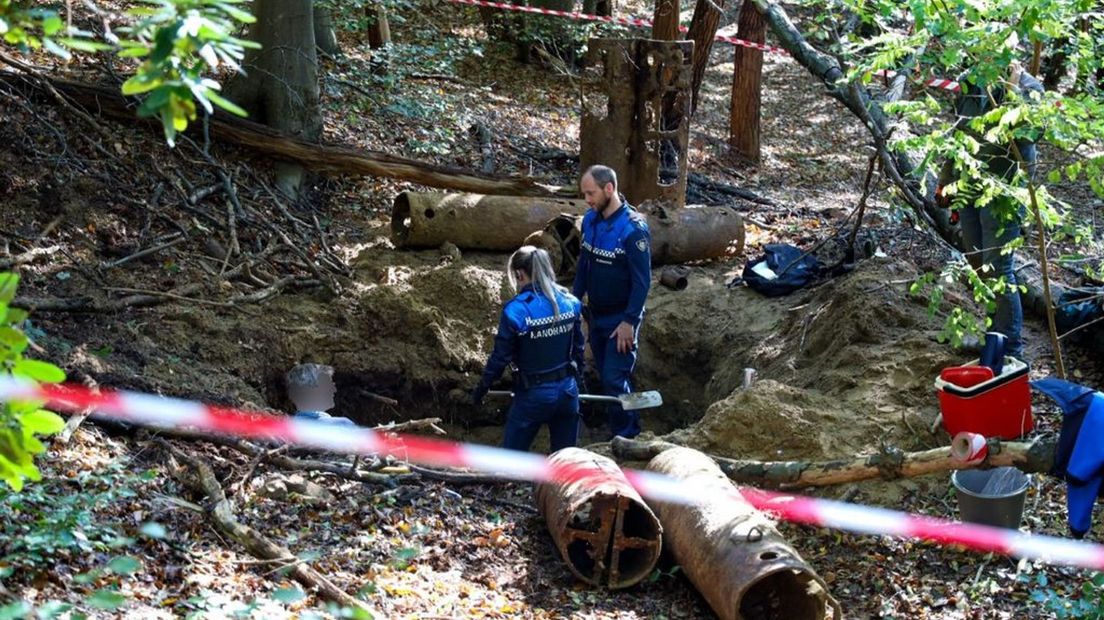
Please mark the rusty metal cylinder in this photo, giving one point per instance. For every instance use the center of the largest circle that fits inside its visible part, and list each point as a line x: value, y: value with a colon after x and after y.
x: 675, y: 277
x: 472, y: 221
x: 731, y: 552
x: 693, y: 233
x: 602, y: 528
x: 678, y: 235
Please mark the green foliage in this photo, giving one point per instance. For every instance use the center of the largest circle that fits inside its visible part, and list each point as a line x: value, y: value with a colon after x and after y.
x: 1089, y: 606
x: 181, y: 40
x: 976, y: 42
x: 21, y: 422
x: 48, y: 523
x: 182, y: 43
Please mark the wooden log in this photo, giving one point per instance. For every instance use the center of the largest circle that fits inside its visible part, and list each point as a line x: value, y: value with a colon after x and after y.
x: 472, y: 221
x: 325, y: 158
x: 601, y: 526
x: 1033, y: 457
x: 731, y: 552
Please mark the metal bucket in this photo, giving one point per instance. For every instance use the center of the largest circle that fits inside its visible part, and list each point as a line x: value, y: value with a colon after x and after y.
x: 1003, y: 508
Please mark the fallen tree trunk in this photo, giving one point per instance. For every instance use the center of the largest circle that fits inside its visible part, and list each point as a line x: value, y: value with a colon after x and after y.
x: 1033, y: 457
x: 681, y: 235
x: 472, y: 221
x: 603, y: 529
x: 328, y: 158
x: 731, y: 552
x: 256, y: 543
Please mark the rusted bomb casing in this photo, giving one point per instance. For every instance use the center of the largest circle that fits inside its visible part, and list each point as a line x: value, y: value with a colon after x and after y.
x: 678, y: 235
x: 731, y: 552
x: 694, y: 232
x: 675, y: 277
x: 602, y: 528
x: 472, y: 221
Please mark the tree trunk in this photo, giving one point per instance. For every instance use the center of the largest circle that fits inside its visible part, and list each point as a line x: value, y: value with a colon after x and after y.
x: 703, y: 27
x: 1034, y: 457
x: 280, y: 88
x: 746, y: 94
x: 379, y: 30
x: 665, y: 21
x: 324, y: 35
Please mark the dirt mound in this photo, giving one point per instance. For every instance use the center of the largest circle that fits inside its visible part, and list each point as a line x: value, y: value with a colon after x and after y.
x: 842, y: 366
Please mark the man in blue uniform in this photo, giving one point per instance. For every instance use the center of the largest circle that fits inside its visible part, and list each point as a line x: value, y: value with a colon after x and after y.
x: 615, y: 273
x: 540, y: 334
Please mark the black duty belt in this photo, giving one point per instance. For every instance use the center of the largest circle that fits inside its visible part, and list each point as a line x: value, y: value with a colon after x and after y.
x: 528, y: 380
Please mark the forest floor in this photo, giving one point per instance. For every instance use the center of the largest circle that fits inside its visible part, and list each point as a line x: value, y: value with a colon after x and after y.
x: 844, y: 367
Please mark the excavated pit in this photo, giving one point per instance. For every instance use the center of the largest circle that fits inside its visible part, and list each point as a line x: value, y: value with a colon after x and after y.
x: 842, y: 367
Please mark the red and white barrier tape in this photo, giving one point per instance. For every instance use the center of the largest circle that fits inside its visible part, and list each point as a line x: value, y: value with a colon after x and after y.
x: 147, y: 409
x: 934, y: 83
x: 625, y: 21
x: 646, y: 23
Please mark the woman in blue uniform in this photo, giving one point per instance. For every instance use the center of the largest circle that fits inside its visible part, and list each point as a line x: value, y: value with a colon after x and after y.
x: 540, y: 336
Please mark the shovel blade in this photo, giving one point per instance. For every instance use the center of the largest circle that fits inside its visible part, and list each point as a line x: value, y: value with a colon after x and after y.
x: 640, y: 400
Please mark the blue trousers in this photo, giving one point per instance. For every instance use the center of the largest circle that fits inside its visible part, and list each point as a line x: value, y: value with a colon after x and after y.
x: 555, y: 403
x: 615, y: 369
x: 984, y: 234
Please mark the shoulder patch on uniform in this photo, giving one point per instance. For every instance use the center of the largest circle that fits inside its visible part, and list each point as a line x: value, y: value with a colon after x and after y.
x: 642, y: 245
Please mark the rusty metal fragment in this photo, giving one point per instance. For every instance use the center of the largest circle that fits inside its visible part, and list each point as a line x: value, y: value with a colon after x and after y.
x: 636, y: 116
x: 602, y: 528
x: 731, y: 552
x: 472, y: 221
x: 675, y: 277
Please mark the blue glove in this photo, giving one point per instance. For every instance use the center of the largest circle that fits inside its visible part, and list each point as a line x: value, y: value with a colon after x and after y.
x: 477, y: 394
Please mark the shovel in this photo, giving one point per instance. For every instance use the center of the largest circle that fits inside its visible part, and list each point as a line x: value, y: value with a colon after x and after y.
x: 628, y: 402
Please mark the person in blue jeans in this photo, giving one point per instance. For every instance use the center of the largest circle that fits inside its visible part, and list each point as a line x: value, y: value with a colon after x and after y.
x: 986, y: 229
x: 311, y: 388
x: 614, y: 272
x: 540, y: 335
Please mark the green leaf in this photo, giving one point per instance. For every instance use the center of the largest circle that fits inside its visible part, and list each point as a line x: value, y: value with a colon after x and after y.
x: 133, y: 52
x: 226, y: 104
x: 124, y: 565
x: 56, y: 49
x: 16, y: 316
x: 84, y: 45
x: 8, y: 283
x: 289, y: 595
x: 106, y: 599
x: 42, y: 422
x: 39, y: 371
x: 153, y: 530
x: 15, y: 611
x: 139, y: 84
x: 13, y: 339
x: 236, y: 13
x: 52, y: 25
x: 52, y: 609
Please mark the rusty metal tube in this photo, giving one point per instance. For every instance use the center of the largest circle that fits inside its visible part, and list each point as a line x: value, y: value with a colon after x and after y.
x: 472, y: 221
x: 731, y: 552
x: 678, y: 235
x: 675, y: 277
x: 602, y: 528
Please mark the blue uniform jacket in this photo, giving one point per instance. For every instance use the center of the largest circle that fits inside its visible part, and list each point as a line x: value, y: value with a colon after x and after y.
x: 615, y: 264
x: 1079, y: 457
x: 533, y: 338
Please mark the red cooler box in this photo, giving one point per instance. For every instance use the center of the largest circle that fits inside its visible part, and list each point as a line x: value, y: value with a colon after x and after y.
x: 999, y: 407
